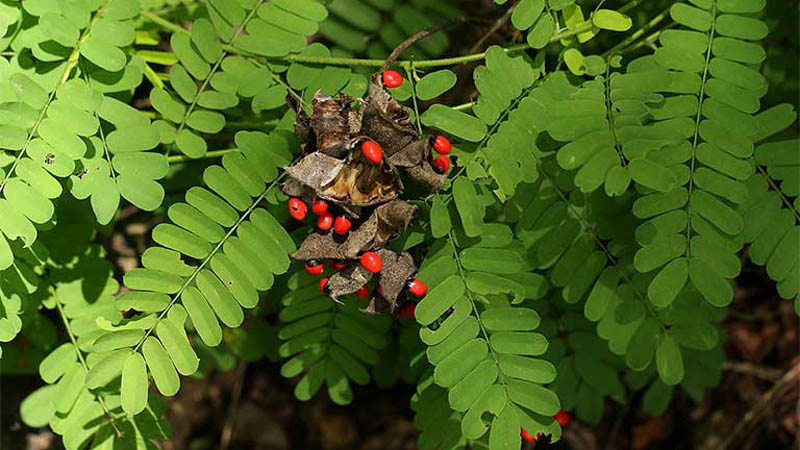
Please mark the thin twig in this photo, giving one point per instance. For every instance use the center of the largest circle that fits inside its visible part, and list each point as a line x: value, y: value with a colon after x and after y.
x: 745, y: 368
x: 751, y: 419
x: 233, y: 409
x: 418, y: 37
x: 497, y: 25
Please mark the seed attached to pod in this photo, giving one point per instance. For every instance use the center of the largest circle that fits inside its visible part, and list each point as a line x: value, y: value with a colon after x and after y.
x: 314, y: 267
x: 442, y: 145
x: 362, y: 292
x: 297, y: 209
x: 562, y: 417
x: 417, y: 288
x: 339, y: 265
x: 325, y: 222
x: 323, y: 285
x: 372, y: 151
x: 392, y: 79
x: 342, y: 225
x: 527, y: 436
x: 441, y: 164
x: 319, y: 207
x: 372, y: 262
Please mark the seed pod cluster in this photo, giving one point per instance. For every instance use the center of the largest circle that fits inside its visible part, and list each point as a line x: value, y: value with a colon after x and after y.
x: 357, y: 155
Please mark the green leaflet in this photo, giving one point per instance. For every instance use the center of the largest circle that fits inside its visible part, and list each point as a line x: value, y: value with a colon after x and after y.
x: 435, y: 84
x: 134, y: 384
x: 454, y: 122
x: 669, y: 360
x: 309, y: 320
x: 469, y: 207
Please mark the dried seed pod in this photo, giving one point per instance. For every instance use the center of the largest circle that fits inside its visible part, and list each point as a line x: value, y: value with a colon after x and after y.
x: 397, y: 268
x: 385, y: 223
x: 385, y: 120
x: 347, y: 281
x: 330, y: 120
x: 414, y: 159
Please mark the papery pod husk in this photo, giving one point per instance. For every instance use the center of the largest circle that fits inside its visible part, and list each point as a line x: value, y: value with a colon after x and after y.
x: 385, y: 223
x: 386, y: 121
x: 334, y: 122
x: 415, y: 159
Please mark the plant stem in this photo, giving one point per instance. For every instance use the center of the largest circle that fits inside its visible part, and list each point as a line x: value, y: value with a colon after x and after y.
x: 335, y: 61
x: 212, y: 154
x: 164, y: 23
x: 153, y: 77
x: 81, y: 359
x: 639, y: 33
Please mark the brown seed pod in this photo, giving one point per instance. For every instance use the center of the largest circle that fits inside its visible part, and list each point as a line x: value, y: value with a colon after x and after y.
x: 334, y: 169
x: 385, y: 120
x: 347, y: 281
x: 331, y: 121
x: 385, y: 223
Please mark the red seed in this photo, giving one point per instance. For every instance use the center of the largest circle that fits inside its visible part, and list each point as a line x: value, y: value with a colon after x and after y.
x: 562, y: 417
x: 325, y: 222
x: 442, y: 145
x: 362, y: 292
x: 372, y: 151
x: 319, y: 207
x: 441, y: 164
x: 372, y: 262
x: 527, y: 436
x: 314, y: 267
x: 339, y: 265
x: 378, y: 289
x: 297, y: 209
x: 407, y: 310
x: 341, y: 225
x: 392, y: 79
x: 417, y: 288
x: 323, y: 285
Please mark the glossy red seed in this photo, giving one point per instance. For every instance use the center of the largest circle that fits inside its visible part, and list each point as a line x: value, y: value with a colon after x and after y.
x: 441, y: 164
x: 341, y: 225
x: 325, y: 222
x: 314, y: 268
x: 527, y: 436
x: 417, y: 288
x: 323, y: 284
x: 392, y: 79
x: 319, y: 207
x: 562, y: 417
x: 297, y: 209
x: 442, y: 145
x: 339, y: 265
x: 362, y: 292
x: 372, y: 262
x: 372, y: 151
x: 408, y: 310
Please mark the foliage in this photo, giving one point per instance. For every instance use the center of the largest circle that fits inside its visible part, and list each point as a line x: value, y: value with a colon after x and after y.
x: 583, y: 249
